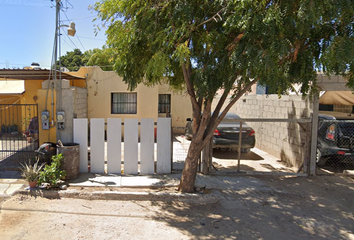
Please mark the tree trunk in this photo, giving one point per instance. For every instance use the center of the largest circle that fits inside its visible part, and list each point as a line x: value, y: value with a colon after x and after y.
x: 189, y: 172
x: 207, y: 157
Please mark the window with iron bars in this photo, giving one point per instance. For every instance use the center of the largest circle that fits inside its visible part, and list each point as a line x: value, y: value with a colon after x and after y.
x: 164, y: 103
x: 124, y: 103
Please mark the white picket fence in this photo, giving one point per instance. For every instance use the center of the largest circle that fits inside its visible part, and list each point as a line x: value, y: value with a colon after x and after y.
x: 132, y: 160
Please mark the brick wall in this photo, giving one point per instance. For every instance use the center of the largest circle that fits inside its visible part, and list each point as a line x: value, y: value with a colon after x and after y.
x: 285, y: 140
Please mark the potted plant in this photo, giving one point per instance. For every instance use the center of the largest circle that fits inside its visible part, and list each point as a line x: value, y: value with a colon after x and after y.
x: 31, y: 173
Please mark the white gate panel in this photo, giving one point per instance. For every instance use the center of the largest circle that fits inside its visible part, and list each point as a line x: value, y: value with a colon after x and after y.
x: 147, y: 146
x: 131, y: 130
x: 81, y: 137
x: 163, y: 145
x: 97, y: 145
x: 114, y: 140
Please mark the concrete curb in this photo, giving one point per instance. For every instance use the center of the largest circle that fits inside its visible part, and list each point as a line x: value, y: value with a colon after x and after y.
x: 212, y: 197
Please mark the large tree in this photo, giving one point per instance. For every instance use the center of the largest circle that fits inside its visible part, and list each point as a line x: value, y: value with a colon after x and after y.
x: 204, y: 46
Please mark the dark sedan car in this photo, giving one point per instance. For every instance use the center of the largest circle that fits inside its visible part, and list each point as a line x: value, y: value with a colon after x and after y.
x: 335, y: 139
x: 226, y: 135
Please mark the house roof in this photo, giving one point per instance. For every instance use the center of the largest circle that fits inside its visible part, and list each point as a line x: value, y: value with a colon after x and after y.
x: 12, y: 87
x: 31, y: 74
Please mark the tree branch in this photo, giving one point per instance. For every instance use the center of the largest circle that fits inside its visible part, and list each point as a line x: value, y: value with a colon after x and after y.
x: 227, y: 108
x: 216, y: 15
x: 238, y: 96
x: 190, y: 88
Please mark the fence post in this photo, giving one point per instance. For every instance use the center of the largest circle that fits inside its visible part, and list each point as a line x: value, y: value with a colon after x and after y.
x: 131, y: 132
x: 147, y: 156
x: 114, y: 145
x: 314, y: 132
x: 163, y: 164
x: 97, y: 145
x: 81, y: 137
x: 239, y: 148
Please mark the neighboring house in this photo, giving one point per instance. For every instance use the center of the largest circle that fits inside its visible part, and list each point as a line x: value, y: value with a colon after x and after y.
x: 25, y: 95
x: 87, y: 93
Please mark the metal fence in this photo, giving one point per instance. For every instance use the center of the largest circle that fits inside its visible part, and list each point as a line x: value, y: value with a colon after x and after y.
x: 19, y: 134
x: 335, y: 146
x: 282, y: 147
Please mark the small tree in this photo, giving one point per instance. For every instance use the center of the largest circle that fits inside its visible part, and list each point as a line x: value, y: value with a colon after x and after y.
x: 205, y: 46
x: 72, y: 60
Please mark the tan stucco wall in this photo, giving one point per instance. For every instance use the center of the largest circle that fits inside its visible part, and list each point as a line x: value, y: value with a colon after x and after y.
x: 100, y: 85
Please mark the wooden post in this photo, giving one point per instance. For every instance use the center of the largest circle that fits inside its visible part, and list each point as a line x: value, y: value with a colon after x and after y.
x: 314, y: 132
x: 239, y: 149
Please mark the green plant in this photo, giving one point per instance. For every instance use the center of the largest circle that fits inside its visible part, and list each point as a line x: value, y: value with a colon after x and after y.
x: 31, y: 173
x: 52, y: 173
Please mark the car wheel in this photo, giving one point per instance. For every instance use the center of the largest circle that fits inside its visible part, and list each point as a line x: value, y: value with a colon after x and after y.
x: 245, y: 150
x: 321, y: 161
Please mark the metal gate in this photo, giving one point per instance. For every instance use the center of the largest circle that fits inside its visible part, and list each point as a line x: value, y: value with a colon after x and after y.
x: 18, y: 135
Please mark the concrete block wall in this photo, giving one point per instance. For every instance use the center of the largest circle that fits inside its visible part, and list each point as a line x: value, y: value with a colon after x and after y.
x: 80, y: 108
x: 74, y: 103
x: 287, y: 141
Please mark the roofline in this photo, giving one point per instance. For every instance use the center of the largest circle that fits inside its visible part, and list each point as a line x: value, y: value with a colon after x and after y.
x: 31, y: 74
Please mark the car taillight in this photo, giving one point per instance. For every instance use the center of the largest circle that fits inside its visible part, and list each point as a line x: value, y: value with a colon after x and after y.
x: 330, y: 132
x: 216, y: 132
x: 341, y: 152
x: 252, y: 133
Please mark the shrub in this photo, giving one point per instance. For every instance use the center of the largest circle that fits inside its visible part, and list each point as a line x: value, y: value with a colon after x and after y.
x: 52, y: 173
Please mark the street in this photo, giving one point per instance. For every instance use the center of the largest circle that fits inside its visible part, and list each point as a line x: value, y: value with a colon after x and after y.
x: 292, y: 208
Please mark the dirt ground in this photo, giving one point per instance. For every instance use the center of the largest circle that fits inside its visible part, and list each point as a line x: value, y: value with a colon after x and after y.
x: 319, y: 207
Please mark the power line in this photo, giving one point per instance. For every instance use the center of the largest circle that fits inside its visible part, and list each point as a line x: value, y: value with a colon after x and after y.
x: 80, y: 42
x: 76, y: 35
x: 98, y: 39
x: 75, y: 19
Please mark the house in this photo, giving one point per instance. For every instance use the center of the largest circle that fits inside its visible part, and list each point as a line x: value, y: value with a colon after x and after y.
x: 108, y: 97
x: 87, y: 93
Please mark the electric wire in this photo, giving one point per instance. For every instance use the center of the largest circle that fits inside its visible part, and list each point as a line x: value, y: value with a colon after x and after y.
x: 76, y: 36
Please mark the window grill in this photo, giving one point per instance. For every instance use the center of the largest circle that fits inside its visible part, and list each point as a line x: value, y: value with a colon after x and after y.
x: 124, y: 103
x: 164, y: 103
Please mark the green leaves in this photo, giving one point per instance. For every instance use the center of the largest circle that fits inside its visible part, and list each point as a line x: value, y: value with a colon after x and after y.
x: 52, y: 173
x: 31, y: 173
x: 278, y: 42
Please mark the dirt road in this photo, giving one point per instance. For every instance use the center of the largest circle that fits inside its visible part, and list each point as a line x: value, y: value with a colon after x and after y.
x: 295, y: 208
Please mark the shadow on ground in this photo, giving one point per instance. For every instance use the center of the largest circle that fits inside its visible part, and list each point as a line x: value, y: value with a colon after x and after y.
x: 233, y: 155
x: 297, y: 208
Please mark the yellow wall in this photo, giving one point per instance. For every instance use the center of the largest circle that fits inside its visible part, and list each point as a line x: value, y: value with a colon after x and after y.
x: 10, y: 115
x: 81, y: 73
x: 101, y: 84
x: 30, y: 95
x: 46, y: 135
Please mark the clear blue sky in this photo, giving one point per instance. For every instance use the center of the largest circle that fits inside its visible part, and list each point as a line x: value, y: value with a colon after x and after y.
x: 28, y: 28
